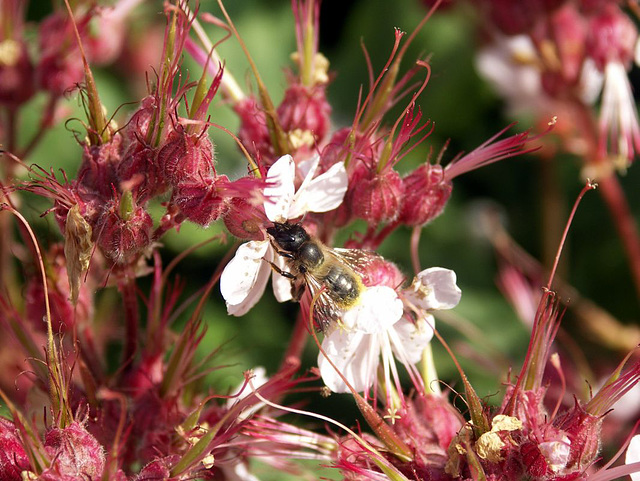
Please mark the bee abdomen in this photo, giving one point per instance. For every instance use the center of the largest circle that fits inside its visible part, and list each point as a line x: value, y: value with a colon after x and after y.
x: 343, y: 287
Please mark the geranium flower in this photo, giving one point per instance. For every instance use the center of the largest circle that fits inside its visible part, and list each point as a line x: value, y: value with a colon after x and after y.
x: 356, y: 346
x: 245, y: 277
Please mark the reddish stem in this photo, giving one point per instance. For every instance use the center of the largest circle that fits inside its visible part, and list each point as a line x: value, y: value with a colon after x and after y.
x: 297, y: 343
x: 127, y: 290
x: 624, y: 223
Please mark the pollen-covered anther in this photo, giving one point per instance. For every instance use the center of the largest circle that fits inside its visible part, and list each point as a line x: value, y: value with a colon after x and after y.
x: 301, y: 138
x: 377, y: 199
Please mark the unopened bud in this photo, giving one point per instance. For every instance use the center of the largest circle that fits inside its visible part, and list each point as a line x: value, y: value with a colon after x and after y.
x: 123, y: 240
x: 75, y: 452
x: 244, y: 220
x: 186, y: 157
x: 377, y: 199
x: 201, y: 202
x: 426, y: 192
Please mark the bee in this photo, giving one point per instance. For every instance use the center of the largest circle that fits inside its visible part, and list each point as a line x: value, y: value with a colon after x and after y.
x: 333, y: 276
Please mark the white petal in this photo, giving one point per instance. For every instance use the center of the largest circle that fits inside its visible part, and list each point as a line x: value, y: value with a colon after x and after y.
x: 556, y: 453
x: 279, y: 192
x: 411, y: 339
x: 281, y: 285
x: 355, y: 354
x: 322, y: 194
x: 307, y: 168
x: 244, y: 278
x: 633, y: 455
x: 379, y: 309
x: 435, y: 288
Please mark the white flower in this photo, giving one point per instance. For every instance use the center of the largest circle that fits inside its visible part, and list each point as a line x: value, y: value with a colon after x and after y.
x: 379, y: 330
x: 245, y: 277
x: 619, y: 127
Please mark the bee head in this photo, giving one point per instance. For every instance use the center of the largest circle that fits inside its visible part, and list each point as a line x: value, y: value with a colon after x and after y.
x: 289, y: 237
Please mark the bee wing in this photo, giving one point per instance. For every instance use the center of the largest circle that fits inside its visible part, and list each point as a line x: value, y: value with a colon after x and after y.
x: 357, y: 259
x: 325, y: 310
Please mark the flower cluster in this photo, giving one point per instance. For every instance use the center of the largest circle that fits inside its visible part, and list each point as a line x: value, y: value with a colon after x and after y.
x: 122, y: 384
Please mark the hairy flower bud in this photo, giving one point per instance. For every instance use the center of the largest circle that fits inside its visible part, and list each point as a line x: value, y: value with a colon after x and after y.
x: 97, y: 172
x: 244, y: 220
x: 75, y: 452
x: 186, y: 157
x: 253, y: 132
x: 377, y: 199
x: 13, y: 457
x: 201, y: 202
x: 139, y: 172
x: 380, y: 272
x: 426, y: 192
x: 16, y: 73
x: 304, y: 114
x: 124, y: 230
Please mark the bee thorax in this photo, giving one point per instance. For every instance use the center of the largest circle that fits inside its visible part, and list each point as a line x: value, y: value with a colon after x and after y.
x: 310, y: 256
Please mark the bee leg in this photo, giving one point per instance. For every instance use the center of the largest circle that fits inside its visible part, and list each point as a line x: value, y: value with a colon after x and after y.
x: 286, y: 274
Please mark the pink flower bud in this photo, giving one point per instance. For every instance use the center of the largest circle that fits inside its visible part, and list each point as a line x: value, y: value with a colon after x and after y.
x: 380, y: 272
x: 201, y: 202
x: 377, y: 199
x: 60, y: 66
x: 159, y: 468
x: 431, y: 422
x: 139, y: 172
x: 124, y: 231
x: 253, y: 132
x: 16, y: 74
x: 426, y: 192
x: 74, y: 452
x: 186, y: 157
x: 534, y: 460
x: 612, y: 37
x: 568, y: 30
x: 306, y: 110
x: 584, y: 432
x: 13, y: 457
x: 137, y: 129
x: 97, y: 172
x: 244, y: 220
